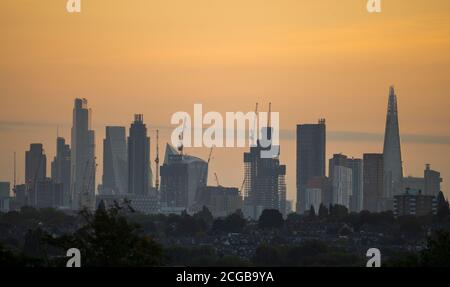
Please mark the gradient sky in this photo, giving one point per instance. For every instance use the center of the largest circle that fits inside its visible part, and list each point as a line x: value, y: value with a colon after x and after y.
x: 311, y: 59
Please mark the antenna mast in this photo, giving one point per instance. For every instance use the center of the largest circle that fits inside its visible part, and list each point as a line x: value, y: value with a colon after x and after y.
x: 157, y: 161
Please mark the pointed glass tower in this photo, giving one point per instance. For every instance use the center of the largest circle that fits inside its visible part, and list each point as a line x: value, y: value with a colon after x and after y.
x: 393, y: 172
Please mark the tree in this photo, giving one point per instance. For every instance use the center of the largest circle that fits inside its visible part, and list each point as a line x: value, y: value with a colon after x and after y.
x: 323, y: 211
x: 270, y: 219
x: 204, y: 215
x: 437, y: 253
x: 108, y: 239
x: 232, y: 223
x: 312, y: 212
x: 443, y: 210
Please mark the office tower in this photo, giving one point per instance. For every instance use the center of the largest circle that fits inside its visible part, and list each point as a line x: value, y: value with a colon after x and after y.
x: 83, y: 165
x: 49, y: 194
x: 357, y: 197
x: 35, y: 164
x: 393, y: 172
x: 139, y: 179
x: 311, y: 140
x: 115, y: 166
x: 433, y: 181
x: 265, y: 186
x: 61, y: 169
x: 5, y: 188
x: 35, y: 170
x: 373, y: 181
x: 182, y: 176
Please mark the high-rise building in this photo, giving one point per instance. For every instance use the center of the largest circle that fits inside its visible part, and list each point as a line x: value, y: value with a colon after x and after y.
x: 265, y: 185
x: 35, y: 170
x: 432, y: 181
x: 83, y: 165
x: 347, y: 182
x: 357, y: 197
x: 48, y: 194
x: 392, y: 157
x: 182, y: 176
x: 139, y: 171
x: 61, y: 169
x: 311, y: 140
x: 5, y: 188
x: 115, y: 166
x: 414, y: 203
x: 35, y: 164
x: 373, y: 181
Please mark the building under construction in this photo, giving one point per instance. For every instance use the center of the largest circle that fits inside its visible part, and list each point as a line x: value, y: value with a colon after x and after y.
x: 265, y: 185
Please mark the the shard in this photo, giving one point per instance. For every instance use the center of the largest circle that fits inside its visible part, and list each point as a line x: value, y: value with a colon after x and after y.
x: 393, y: 172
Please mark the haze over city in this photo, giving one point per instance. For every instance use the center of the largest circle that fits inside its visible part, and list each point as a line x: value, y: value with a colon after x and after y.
x: 329, y: 60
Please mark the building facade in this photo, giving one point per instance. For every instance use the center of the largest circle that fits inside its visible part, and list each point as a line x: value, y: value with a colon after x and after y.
x: 61, y: 169
x: 83, y: 164
x: 311, y: 142
x: 115, y: 165
x: 373, y: 181
x: 392, y: 156
x: 139, y: 170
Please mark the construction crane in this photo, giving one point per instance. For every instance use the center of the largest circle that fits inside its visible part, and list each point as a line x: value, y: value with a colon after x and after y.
x: 180, y: 137
x: 210, y: 153
x: 157, y: 161
x: 217, y: 179
x: 254, y: 133
x: 14, y: 187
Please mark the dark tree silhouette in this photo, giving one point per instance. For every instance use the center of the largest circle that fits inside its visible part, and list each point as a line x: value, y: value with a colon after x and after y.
x: 108, y: 239
x: 270, y: 219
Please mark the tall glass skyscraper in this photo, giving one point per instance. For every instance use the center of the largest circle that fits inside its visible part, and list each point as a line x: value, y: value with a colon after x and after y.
x: 139, y: 172
x: 392, y: 156
x: 115, y: 168
x: 311, y: 140
x: 83, y: 164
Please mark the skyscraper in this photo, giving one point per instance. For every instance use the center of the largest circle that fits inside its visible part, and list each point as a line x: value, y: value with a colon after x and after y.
x: 182, y: 176
x: 35, y: 171
x: 139, y: 180
x: 35, y: 164
x: 357, y: 197
x: 82, y: 159
x: 373, y: 181
x: 115, y: 167
x: 265, y: 186
x: 392, y: 157
x: 311, y: 140
x: 61, y: 169
x: 341, y: 177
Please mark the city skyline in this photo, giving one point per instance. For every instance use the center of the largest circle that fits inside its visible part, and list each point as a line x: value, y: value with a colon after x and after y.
x: 312, y: 60
x: 210, y: 174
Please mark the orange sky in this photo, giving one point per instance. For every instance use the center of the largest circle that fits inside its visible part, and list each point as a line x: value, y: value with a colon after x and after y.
x: 311, y: 59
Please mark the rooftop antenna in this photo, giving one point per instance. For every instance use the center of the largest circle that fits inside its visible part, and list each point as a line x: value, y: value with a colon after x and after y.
x: 255, y: 126
x: 14, y: 186
x: 269, y: 116
x: 157, y: 161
